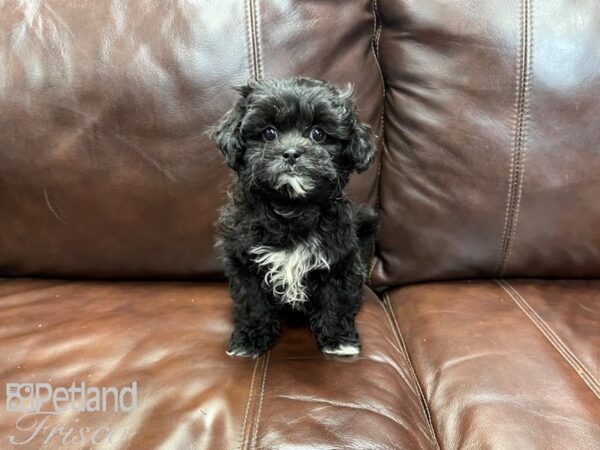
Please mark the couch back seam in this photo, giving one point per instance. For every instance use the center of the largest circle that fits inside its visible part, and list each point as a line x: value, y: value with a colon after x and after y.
x: 249, y: 429
x: 517, y: 165
x: 253, y: 39
x: 377, y: 30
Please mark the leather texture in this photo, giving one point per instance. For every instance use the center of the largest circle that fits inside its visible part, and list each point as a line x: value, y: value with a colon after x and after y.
x: 506, y: 364
x: 491, y: 160
x: 486, y: 113
x: 170, y: 339
x: 106, y: 170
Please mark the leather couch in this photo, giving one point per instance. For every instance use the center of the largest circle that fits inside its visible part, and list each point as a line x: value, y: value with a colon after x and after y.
x: 481, y: 319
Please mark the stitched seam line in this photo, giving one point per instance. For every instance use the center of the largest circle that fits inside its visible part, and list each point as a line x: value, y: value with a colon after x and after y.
x: 257, y: 38
x: 242, y: 437
x: 511, y: 173
x: 260, y: 401
x: 249, y: 41
x: 387, y: 308
x: 552, y: 337
x: 254, y: 39
x: 513, y: 201
x: 256, y: 72
x: 527, y: 60
x: 377, y: 28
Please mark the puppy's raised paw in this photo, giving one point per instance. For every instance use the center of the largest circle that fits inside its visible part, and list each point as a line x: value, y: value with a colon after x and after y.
x: 342, y: 350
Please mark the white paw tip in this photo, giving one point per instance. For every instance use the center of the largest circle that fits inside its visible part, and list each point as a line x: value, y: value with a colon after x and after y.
x: 240, y: 352
x: 342, y: 350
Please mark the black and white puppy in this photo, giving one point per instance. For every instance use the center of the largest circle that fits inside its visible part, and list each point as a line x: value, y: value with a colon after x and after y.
x: 289, y: 236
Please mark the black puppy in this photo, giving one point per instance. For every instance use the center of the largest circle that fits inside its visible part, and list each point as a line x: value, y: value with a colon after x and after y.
x: 289, y: 236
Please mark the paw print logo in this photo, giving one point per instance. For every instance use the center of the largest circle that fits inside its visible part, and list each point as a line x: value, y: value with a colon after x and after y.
x: 20, y: 397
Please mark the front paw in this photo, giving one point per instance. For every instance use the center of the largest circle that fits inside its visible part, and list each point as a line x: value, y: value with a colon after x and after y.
x: 249, y: 345
x: 241, y: 352
x: 342, y: 349
x: 340, y: 340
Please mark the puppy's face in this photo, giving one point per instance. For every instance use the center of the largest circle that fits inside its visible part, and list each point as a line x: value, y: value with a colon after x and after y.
x: 296, y: 138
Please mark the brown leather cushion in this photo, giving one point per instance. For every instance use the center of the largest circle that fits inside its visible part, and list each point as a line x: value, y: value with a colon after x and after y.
x: 492, y: 158
x: 105, y: 170
x: 508, y: 365
x: 170, y: 338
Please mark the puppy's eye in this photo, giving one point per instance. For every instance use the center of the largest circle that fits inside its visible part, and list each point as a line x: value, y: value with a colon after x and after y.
x: 317, y: 135
x: 269, y: 134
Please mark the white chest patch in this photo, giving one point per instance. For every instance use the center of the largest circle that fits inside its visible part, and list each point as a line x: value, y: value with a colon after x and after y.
x: 286, y: 269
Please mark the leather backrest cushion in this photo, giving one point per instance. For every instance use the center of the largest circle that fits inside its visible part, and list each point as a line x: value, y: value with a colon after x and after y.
x: 492, y: 158
x: 105, y: 169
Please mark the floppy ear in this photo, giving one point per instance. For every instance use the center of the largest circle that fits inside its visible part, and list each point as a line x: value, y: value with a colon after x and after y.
x: 360, y: 149
x: 228, y: 133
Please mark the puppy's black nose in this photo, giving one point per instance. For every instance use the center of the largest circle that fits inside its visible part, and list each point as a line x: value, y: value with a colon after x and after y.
x: 291, y: 155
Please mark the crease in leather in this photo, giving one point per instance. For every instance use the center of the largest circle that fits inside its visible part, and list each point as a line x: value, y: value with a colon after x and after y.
x: 377, y: 29
x: 517, y: 165
x: 582, y: 371
x: 50, y: 285
x: 53, y: 210
x: 387, y: 308
x: 346, y: 405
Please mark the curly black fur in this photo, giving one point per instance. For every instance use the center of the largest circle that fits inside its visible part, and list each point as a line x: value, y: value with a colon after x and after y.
x: 289, y: 236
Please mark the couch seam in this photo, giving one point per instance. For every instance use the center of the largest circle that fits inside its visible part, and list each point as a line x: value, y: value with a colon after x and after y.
x: 552, y: 337
x: 249, y: 41
x: 243, y: 434
x: 377, y: 29
x: 260, y: 402
x: 255, y: 72
x: 253, y: 38
x: 528, y: 60
x: 257, y: 38
x: 517, y: 165
x: 387, y: 308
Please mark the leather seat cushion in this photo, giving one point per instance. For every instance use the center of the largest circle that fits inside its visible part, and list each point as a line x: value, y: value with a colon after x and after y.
x: 170, y: 338
x: 507, y: 364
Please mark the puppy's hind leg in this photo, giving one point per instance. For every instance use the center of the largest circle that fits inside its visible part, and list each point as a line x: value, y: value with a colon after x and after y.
x: 367, y: 221
x: 256, y: 317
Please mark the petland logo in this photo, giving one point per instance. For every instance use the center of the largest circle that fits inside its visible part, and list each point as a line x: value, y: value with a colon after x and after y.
x: 32, y: 397
x: 40, y: 402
